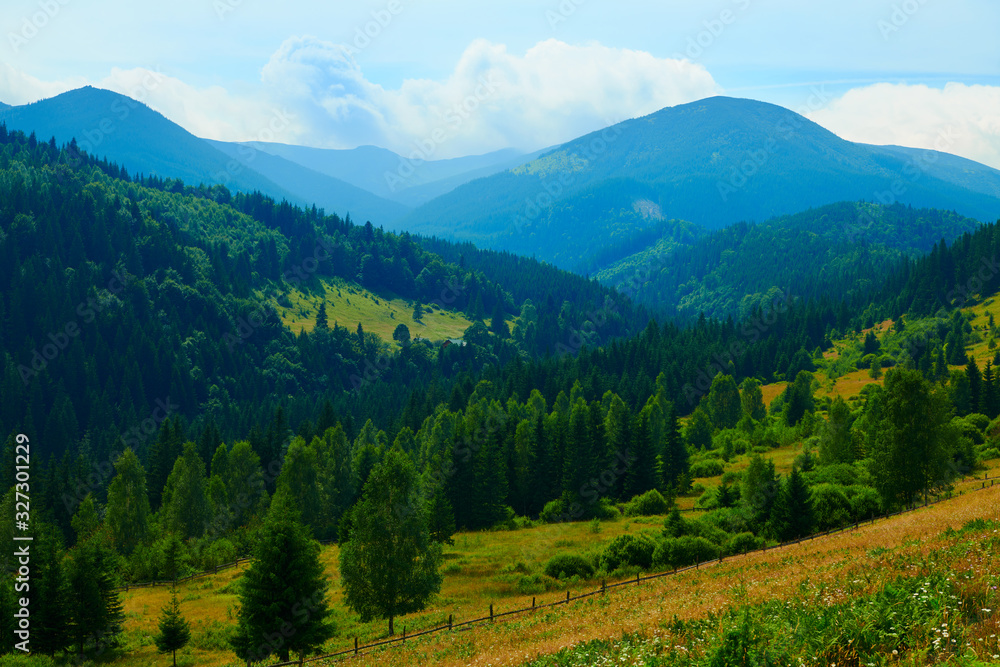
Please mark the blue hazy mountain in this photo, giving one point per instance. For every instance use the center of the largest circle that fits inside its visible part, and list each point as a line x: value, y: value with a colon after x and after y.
x: 713, y: 162
x: 408, y: 180
x: 107, y: 124
x: 325, y: 191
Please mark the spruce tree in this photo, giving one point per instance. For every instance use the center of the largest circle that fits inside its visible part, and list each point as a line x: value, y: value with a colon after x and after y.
x: 389, y: 565
x: 174, y: 629
x: 321, y: 322
x: 285, y: 579
x: 50, y: 617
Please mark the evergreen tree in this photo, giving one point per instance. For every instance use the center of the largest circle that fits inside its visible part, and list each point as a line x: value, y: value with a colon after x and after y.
x: 498, y: 323
x: 94, y: 607
x: 418, y: 312
x: 128, y: 505
x: 798, y: 398
x: 792, y: 515
x: 285, y: 585
x: 299, y: 477
x: 441, y: 517
x: 321, y: 322
x: 760, y: 487
x: 401, y: 334
x: 50, y: 602
x: 989, y: 404
x: 975, y: 385
x: 174, y: 629
x: 389, y: 565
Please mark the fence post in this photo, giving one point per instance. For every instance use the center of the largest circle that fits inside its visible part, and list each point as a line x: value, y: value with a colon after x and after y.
x: 355, y: 646
x: 449, y: 621
x: 567, y: 596
x: 532, y: 602
x: 604, y: 586
x: 491, y: 611
x: 636, y: 577
x: 404, y: 633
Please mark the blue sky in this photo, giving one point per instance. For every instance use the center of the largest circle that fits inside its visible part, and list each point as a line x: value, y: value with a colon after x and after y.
x: 524, y: 74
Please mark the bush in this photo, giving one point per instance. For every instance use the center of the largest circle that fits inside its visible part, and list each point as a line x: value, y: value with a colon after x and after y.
x: 536, y: 583
x: 831, y: 506
x: 628, y: 550
x: 684, y: 551
x: 865, y: 502
x: 553, y: 511
x: 709, y: 468
x: 707, y: 500
x: 219, y: 552
x: 648, y: 504
x: 744, y: 543
x: 989, y: 453
x: 843, y: 474
x: 564, y: 566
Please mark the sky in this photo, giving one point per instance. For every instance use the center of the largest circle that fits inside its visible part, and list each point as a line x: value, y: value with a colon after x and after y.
x: 451, y: 78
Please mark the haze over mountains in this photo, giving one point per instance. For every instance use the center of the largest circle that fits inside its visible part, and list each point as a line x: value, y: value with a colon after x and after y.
x: 585, y: 206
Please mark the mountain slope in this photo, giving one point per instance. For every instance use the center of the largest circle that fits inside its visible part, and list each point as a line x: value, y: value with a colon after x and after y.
x: 712, y: 162
x: 836, y: 251
x: 106, y: 124
x: 392, y: 176
x: 311, y: 186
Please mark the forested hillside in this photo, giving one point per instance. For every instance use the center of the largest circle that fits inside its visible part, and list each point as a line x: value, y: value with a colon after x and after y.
x: 842, y: 249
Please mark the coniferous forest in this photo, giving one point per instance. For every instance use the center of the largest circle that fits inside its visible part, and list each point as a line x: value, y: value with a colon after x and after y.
x: 177, y: 423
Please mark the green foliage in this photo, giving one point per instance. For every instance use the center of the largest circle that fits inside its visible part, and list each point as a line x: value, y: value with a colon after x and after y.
x: 628, y: 551
x: 683, y: 551
x: 184, y: 503
x: 707, y: 468
x: 650, y: 503
x: 564, y: 566
x: 698, y: 432
x: 283, y: 595
x: 389, y: 566
x: 128, y: 505
x: 175, y: 632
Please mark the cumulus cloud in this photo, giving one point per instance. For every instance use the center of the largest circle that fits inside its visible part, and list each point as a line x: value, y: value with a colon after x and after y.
x: 492, y: 99
x: 958, y: 118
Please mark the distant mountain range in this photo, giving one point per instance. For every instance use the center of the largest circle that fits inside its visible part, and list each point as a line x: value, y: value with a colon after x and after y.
x: 369, y: 183
x: 586, y: 205
x: 713, y: 162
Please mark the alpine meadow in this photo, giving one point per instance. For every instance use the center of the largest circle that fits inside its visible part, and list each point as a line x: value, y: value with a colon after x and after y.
x: 542, y: 334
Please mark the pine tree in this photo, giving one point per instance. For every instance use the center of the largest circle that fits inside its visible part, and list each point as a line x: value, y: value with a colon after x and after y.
x: 441, y: 517
x: 389, y: 565
x: 792, y: 514
x: 50, y: 618
x: 975, y: 384
x: 95, y: 609
x: 752, y: 399
x: 285, y: 578
x: 321, y: 322
x: 174, y: 629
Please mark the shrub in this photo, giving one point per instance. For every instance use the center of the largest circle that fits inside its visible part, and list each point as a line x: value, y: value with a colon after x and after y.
x: 648, y: 504
x: 221, y: 551
x: 553, y: 511
x: 708, y: 468
x: 744, y: 543
x: 626, y: 550
x: 536, y: 583
x: 843, y: 474
x: 564, y: 566
x: 989, y: 453
x: 865, y: 502
x: 684, y: 551
x: 708, y: 500
x: 831, y: 506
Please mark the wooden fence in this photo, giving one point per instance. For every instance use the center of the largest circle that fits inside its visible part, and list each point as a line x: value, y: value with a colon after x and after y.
x: 493, y: 615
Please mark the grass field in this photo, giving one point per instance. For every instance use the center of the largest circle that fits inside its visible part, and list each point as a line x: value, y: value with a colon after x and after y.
x: 348, y: 304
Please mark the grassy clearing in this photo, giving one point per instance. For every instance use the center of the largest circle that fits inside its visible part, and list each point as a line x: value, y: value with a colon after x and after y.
x: 348, y: 304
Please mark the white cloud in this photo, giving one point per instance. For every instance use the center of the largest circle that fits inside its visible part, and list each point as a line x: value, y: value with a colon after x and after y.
x: 958, y: 118
x: 492, y: 99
